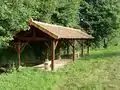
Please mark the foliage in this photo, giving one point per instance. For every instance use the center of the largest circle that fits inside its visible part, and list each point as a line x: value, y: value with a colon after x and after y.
x: 14, y: 15
x: 100, y: 18
x: 66, y: 13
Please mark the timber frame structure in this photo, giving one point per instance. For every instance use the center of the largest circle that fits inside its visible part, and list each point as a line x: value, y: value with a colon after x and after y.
x: 53, y: 34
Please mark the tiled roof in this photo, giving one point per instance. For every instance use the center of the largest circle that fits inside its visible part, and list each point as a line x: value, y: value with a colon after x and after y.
x: 60, y: 32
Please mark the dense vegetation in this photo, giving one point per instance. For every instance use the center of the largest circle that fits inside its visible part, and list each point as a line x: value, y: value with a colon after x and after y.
x: 99, y: 71
x: 98, y: 17
x: 101, y: 17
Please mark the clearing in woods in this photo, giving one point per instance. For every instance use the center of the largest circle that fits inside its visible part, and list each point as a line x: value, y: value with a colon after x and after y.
x: 98, y: 71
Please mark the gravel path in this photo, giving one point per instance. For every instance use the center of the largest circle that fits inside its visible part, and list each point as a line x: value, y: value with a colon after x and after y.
x: 58, y: 64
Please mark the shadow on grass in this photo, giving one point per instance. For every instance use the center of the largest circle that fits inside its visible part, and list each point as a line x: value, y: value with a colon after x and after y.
x: 101, y: 56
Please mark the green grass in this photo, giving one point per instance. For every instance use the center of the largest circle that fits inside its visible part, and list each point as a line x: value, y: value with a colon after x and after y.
x: 28, y: 79
x: 98, y: 71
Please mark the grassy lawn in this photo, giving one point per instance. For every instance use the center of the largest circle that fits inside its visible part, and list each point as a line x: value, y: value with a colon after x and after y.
x: 98, y: 71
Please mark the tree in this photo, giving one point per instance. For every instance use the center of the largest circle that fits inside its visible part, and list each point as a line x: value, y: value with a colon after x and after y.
x: 100, y: 18
x: 14, y: 15
x: 66, y: 13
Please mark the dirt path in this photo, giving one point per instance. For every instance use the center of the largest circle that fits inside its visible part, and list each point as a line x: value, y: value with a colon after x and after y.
x: 58, y: 64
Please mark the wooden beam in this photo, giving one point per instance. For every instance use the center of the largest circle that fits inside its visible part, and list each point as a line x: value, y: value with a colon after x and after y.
x: 19, y: 48
x: 32, y: 39
x: 54, y: 45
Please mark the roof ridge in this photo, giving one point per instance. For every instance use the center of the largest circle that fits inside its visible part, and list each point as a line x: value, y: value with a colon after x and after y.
x: 71, y: 28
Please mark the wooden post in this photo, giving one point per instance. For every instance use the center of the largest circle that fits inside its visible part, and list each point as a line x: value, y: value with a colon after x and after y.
x: 82, y: 48
x: 54, y: 45
x: 53, y: 55
x: 73, y: 50
x: 18, y: 51
x: 19, y: 47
